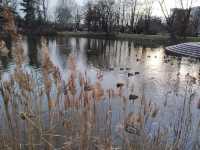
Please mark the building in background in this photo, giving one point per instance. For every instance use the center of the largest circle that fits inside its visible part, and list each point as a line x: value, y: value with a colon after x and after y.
x: 179, y: 17
x: 195, y: 20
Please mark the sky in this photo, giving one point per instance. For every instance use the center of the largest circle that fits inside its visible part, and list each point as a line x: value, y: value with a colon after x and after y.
x: 156, y: 7
x: 171, y: 4
x: 54, y: 3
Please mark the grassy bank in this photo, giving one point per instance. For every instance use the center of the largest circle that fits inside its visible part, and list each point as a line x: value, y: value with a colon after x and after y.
x: 138, y: 38
x: 125, y: 36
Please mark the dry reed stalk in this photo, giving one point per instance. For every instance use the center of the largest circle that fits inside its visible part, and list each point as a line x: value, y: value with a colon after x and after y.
x: 73, y: 108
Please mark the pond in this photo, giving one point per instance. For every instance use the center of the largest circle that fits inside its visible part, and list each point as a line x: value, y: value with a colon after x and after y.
x: 170, y: 86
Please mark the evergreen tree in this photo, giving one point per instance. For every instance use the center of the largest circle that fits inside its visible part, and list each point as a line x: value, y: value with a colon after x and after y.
x: 29, y: 10
x: 1, y: 19
x: 88, y: 15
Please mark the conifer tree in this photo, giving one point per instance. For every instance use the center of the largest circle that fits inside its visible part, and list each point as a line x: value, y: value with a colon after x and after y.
x: 28, y: 7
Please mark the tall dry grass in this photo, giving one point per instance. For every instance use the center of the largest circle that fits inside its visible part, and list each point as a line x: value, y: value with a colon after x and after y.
x: 55, y: 113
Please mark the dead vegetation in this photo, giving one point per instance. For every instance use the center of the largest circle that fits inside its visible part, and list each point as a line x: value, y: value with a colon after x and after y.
x: 73, y: 113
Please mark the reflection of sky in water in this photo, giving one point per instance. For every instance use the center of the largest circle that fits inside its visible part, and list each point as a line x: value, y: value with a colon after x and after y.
x: 110, y: 56
x: 156, y: 78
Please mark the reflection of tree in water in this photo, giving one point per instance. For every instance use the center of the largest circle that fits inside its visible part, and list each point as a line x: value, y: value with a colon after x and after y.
x: 78, y: 43
x: 8, y: 42
x: 34, y: 45
x: 96, y: 52
x: 105, y: 54
x: 5, y: 61
x: 64, y: 44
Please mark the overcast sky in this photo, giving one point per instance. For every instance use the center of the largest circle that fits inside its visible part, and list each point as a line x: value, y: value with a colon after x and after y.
x: 156, y: 8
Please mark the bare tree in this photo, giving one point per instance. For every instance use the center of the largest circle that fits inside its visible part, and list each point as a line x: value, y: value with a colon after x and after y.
x: 118, y: 13
x: 63, y: 15
x: 10, y: 3
x: 123, y: 15
x: 65, y: 11
x: 100, y: 16
x: 134, y: 4
x: 77, y: 20
x: 147, y: 15
x: 187, y: 15
x: 195, y: 20
x: 88, y: 15
x: 170, y: 17
x: 45, y: 4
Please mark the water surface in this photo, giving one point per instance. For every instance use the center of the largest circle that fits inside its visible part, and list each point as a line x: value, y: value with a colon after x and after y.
x: 156, y: 76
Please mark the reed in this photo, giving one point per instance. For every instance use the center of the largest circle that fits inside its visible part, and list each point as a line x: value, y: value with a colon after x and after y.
x: 50, y: 112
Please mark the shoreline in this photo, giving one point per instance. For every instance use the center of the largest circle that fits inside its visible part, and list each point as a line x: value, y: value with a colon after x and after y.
x: 125, y: 36
x: 140, y: 39
x: 150, y: 39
